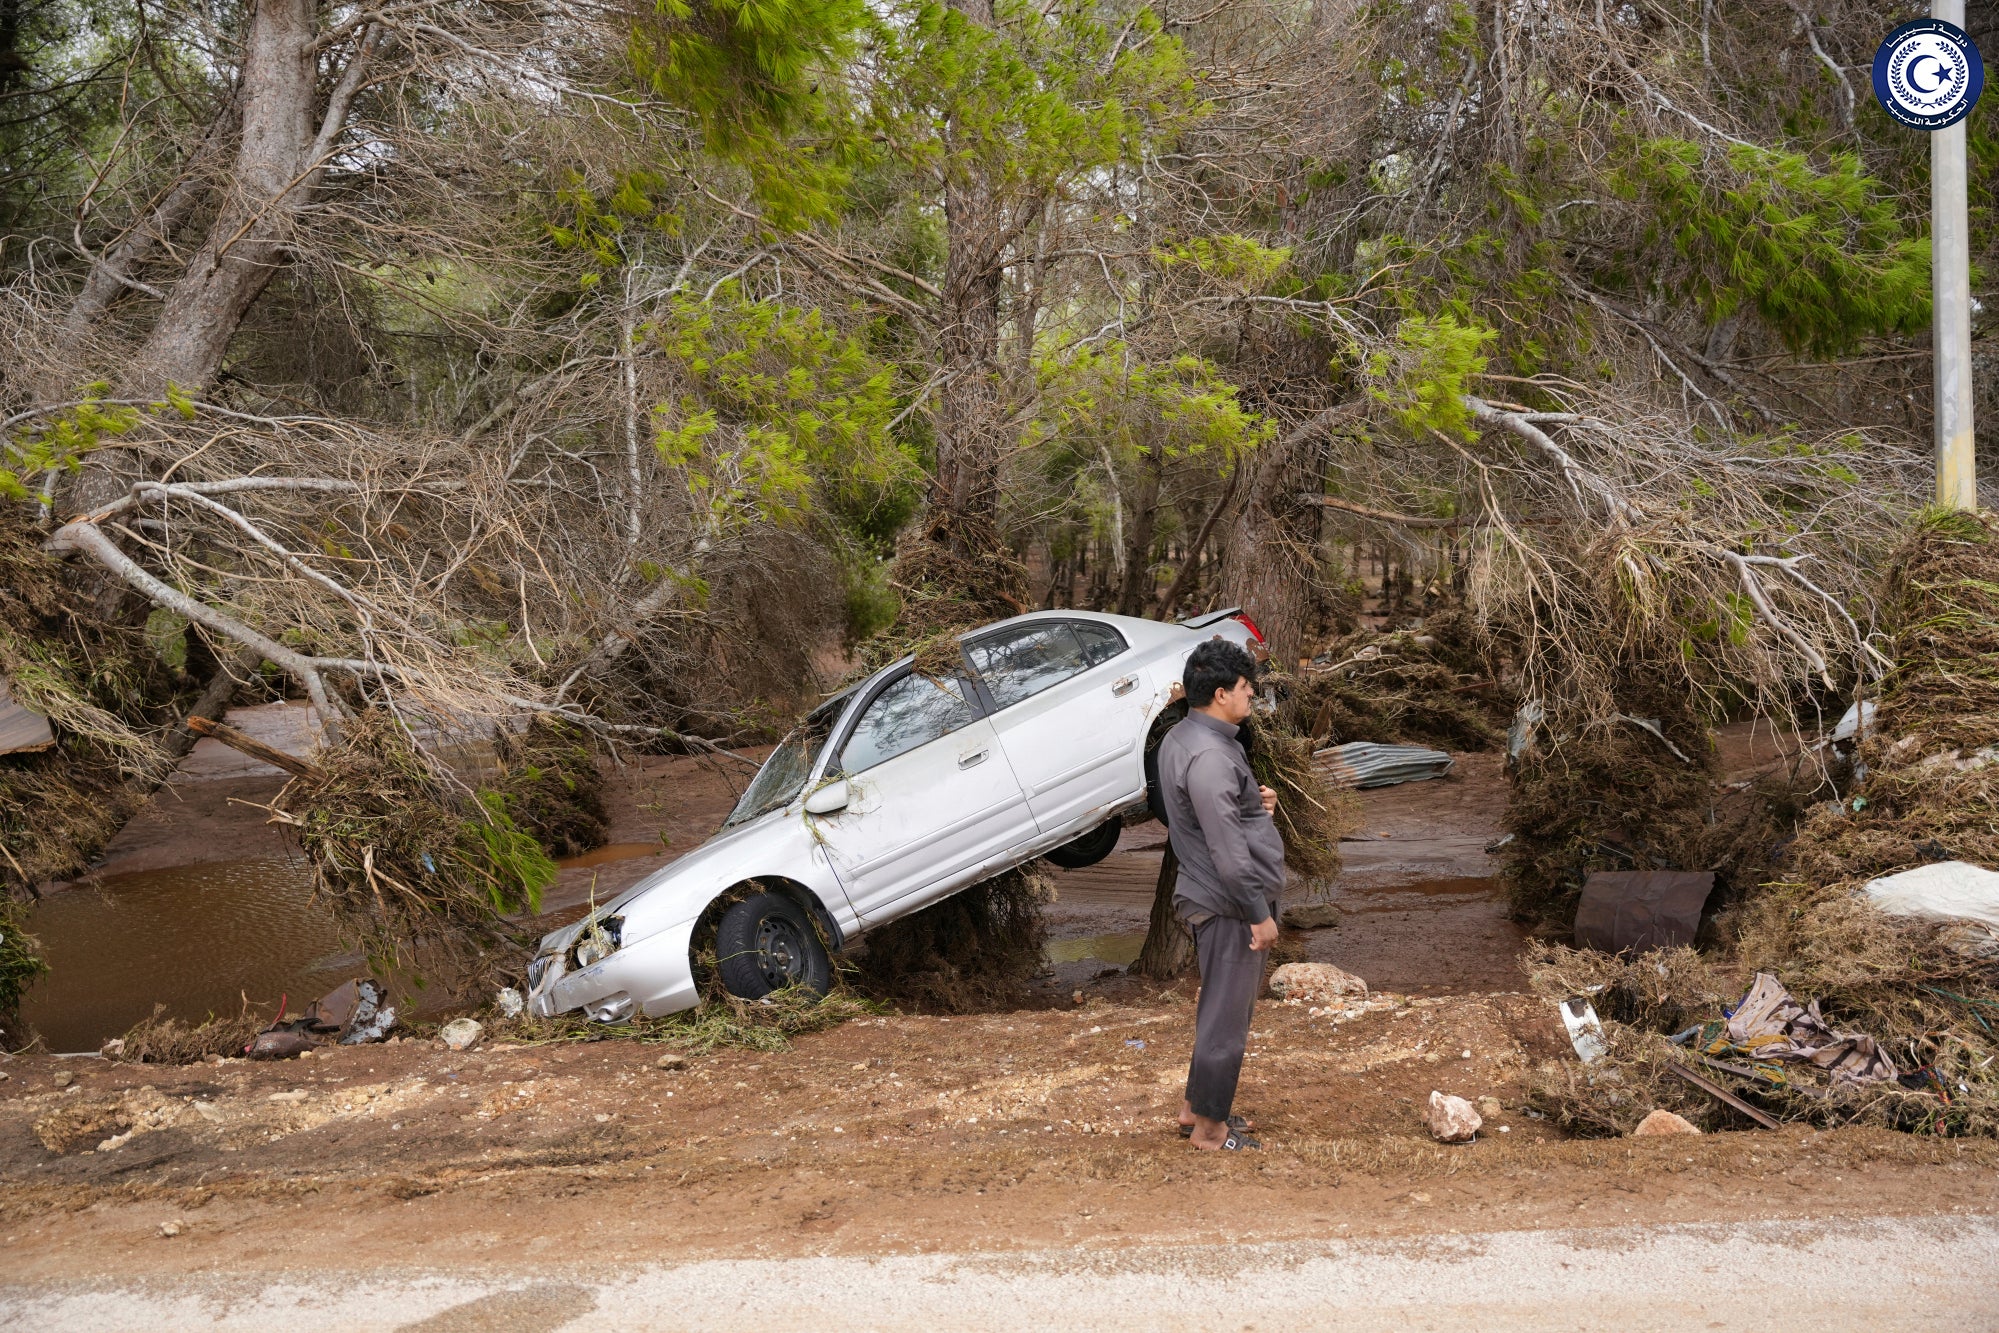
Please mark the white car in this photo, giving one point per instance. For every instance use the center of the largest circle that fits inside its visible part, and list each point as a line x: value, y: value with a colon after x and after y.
x: 889, y: 796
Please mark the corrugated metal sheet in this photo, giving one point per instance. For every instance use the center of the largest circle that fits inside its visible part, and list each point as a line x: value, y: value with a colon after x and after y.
x: 1368, y: 764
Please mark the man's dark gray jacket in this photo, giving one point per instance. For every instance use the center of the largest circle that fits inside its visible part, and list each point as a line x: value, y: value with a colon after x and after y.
x: 1231, y: 857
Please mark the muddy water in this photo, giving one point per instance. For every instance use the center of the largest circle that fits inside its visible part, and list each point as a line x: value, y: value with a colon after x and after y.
x: 194, y: 938
x: 1118, y: 949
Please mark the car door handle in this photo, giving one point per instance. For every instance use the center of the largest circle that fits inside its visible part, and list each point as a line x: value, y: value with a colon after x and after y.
x: 974, y: 759
x: 1124, y: 685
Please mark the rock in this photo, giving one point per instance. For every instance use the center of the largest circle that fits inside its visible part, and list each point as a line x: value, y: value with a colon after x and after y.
x: 1663, y: 1122
x: 64, y: 1078
x: 671, y: 1060
x: 509, y: 1002
x: 1312, y: 916
x: 3, y: 1076
x: 168, y: 1230
x: 295, y: 1096
x: 462, y: 1034
x: 1452, y: 1119
x: 1076, y: 997
x: 1314, y: 981
x: 113, y: 1049
x: 1489, y: 1107
x: 211, y: 1058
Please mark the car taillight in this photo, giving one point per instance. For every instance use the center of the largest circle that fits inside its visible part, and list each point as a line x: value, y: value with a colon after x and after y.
x: 1250, y: 625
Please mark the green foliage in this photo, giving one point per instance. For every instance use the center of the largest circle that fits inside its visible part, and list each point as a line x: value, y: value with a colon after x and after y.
x: 1182, y: 407
x: 1238, y: 261
x: 1821, y: 255
x: 758, y: 75
x: 1424, y: 378
x: 1036, y: 99
x: 783, y: 414
x: 21, y: 963
x: 507, y: 862
x: 57, y: 441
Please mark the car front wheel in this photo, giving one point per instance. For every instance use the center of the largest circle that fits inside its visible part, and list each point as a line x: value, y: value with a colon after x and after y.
x: 766, y: 943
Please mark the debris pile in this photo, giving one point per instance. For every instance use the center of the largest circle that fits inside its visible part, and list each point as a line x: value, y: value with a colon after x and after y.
x: 1437, y: 684
x: 551, y: 787
x: 1311, y: 816
x: 979, y: 948
x: 160, y: 1040
x: 1897, y: 1020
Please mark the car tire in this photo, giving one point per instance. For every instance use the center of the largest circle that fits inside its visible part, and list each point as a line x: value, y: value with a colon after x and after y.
x: 765, y: 943
x: 1168, y: 718
x: 1089, y: 849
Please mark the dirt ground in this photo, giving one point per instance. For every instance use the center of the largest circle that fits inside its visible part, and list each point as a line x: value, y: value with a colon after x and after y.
x: 905, y: 1133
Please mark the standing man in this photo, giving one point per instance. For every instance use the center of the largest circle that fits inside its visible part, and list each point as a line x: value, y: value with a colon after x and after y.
x: 1231, y: 871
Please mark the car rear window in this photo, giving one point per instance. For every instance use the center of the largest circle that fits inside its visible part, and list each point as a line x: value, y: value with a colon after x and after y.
x: 1020, y: 663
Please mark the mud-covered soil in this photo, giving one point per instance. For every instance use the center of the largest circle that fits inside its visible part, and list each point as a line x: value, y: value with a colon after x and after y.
x: 884, y: 1135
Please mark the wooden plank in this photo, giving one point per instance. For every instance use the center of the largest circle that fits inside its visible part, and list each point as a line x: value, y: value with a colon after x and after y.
x: 1714, y: 1089
x: 256, y: 749
x: 21, y: 728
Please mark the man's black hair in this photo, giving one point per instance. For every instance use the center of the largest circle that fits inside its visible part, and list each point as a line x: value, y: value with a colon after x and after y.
x: 1215, y: 665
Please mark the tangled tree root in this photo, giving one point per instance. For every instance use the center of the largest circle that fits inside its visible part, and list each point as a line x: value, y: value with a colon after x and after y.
x: 1436, y: 685
x: 723, y: 1020
x: 419, y: 874
x: 551, y: 787
x: 978, y: 949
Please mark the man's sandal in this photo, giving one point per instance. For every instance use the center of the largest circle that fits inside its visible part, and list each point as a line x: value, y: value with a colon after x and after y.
x: 1235, y: 1122
x: 1237, y: 1141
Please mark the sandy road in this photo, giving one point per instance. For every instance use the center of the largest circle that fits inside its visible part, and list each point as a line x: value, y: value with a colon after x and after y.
x: 1866, y: 1273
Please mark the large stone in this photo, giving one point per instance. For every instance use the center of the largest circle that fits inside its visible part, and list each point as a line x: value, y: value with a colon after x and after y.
x: 1315, y: 982
x: 1452, y: 1119
x: 1312, y: 916
x: 1663, y: 1122
x: 462, y: 1034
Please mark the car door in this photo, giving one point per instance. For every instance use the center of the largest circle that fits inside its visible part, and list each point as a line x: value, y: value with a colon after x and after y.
x: 931, y: 795
x: 1069, y: 707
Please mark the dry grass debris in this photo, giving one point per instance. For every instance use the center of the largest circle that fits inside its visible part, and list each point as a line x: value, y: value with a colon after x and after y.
x: 160, y: 1040
x: 1437, y: 684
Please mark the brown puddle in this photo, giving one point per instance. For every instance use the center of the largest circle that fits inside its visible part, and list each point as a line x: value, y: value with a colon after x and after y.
x: 194, y: 938
x: 1119, y: 949
x: 614, y: 851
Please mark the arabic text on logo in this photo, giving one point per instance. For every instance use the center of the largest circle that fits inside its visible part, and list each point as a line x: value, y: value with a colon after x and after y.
x: 1928, y: 74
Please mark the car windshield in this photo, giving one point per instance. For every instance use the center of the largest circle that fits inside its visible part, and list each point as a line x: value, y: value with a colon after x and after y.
x: 783, y: 774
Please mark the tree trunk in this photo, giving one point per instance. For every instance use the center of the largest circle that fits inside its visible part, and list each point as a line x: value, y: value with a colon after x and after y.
x: 279, y: 162
x: 1138, y: 579
x: 118, y: 267
x: 1168, y: 950
x: 972, y: 436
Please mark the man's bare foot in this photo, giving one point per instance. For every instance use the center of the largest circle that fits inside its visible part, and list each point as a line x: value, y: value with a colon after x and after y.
x: 1209, y: 1135
x: 1187, y: 1117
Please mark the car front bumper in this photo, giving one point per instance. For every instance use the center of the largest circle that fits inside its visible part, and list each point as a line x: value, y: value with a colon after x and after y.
x: 652, y: 976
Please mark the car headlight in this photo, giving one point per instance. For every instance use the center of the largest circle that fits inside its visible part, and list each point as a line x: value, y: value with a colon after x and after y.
x: 598, y: 941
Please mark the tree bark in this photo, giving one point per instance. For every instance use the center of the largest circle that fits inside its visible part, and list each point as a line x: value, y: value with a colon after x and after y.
x: 1168, y: 950
x: 972, y: 436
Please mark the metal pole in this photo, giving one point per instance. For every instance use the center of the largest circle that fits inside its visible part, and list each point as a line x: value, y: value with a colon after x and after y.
x: 1950, y: 274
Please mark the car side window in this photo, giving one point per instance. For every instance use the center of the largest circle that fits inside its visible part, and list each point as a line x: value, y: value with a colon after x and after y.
x: 1100, y: 642
x: 1023, y: 662
x: 914, y: 711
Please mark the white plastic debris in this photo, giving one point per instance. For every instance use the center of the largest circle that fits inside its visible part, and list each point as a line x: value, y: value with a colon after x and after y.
x: 508, y: 1002
x: 1854, y: 721
x: 1945, y: 891
x: 1585, y: 1032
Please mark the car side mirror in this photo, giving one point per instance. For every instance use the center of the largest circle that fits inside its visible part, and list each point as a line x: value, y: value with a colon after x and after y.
x: 830, y: 799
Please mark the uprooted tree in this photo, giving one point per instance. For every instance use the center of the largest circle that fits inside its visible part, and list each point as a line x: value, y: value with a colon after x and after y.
x: 634, y: 365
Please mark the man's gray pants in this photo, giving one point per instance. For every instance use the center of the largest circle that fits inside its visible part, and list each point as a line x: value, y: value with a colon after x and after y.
x: 1231, y: 979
